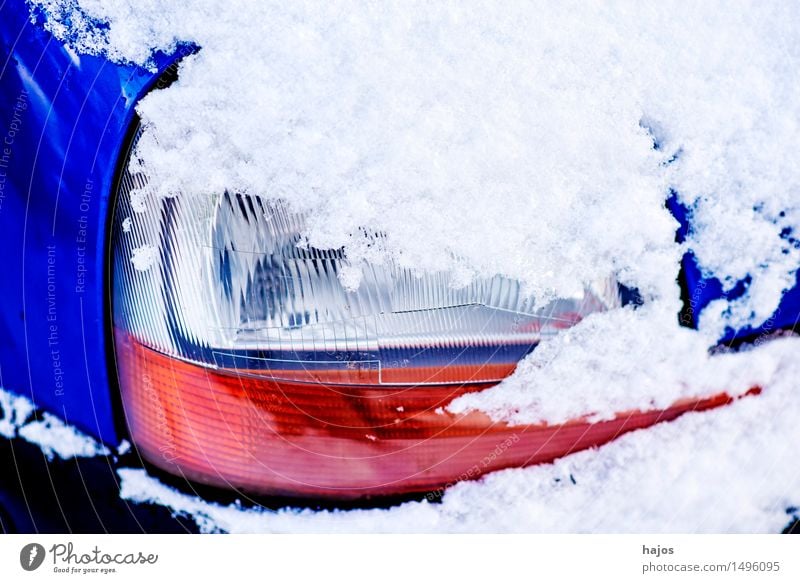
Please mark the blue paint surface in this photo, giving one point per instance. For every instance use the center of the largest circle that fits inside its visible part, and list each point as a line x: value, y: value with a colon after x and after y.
x: 701, y: 291
x: 63, y: 120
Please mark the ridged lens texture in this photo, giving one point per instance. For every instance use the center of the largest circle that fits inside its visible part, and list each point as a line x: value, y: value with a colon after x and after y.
x: 245, y: 363
x: 327, y: 441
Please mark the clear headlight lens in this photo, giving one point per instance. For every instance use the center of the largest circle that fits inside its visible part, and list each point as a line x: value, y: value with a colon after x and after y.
x: 245, y: 362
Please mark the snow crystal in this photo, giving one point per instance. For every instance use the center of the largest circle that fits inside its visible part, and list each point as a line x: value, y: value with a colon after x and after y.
x: 143, y: 257
x: 124, y: 447
x: 52, y: 435
x: 126, y: 224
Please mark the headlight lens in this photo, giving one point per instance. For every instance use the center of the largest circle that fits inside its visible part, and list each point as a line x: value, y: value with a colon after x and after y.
x: 244, y: 362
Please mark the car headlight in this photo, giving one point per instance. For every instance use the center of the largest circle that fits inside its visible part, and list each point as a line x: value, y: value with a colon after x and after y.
x: 244, y: 362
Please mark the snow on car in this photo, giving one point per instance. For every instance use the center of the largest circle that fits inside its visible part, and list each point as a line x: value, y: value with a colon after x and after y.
x: 475, y: 181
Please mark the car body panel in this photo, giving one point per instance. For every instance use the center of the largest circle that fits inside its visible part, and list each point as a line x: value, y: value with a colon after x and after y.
x: 700, y: 290
x: 63, y: 120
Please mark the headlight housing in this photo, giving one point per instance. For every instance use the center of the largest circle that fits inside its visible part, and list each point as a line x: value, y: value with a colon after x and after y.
x: 244, y: 362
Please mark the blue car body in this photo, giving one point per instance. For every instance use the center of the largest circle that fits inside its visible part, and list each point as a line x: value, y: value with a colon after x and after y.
x: 64, y: 119
x: 700, y: 290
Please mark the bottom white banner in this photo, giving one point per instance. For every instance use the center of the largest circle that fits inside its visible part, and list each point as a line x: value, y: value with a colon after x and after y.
x: 408, y: 558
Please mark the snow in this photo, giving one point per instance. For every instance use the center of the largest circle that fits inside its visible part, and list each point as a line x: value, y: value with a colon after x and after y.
x: 15, y: 409
x: 446, y: 124
x: 124, y: 447
x: 612, y: 362
x: 58, y: 439
x: 50, y: 433
x: 727, y: 470
x: 540, y: 142
x: 143, y: 257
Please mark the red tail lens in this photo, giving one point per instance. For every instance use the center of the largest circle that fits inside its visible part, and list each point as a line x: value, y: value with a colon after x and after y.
x: 245, y: 363
x: 321, y: 440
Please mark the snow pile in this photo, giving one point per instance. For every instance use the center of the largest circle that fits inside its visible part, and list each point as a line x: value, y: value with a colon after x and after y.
x: 55, y: 437
x: 612, y: 362
x: 732, y: 469
x: 538, y: 140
